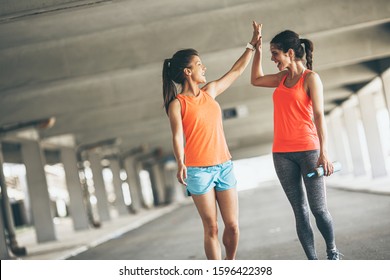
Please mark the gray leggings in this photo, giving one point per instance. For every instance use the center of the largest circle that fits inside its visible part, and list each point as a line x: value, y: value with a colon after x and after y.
x: 291, y: 168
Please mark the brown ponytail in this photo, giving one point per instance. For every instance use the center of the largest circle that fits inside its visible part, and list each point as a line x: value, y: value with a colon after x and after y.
x: 309, y: 52
x: 169, y: 88
x: 173, y: 73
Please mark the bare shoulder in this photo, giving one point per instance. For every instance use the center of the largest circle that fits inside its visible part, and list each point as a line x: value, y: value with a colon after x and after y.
x: 174, y: 107
x: 311, y: 76
x: 312, y: 79
x: 313, y: 84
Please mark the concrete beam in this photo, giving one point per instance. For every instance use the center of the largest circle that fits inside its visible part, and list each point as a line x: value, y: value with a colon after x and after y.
x: 33, y: 61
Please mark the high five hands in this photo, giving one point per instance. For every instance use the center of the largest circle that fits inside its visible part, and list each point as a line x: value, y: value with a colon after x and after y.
x: 256, y: 38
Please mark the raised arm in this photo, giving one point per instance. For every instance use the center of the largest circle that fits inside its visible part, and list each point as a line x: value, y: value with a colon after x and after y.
x: 258, y: 78
x: 174, y: 113
x: 217, y: 87
x: 315, y: 90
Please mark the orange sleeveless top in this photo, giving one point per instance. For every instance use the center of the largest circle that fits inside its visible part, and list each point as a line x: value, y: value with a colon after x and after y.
x: 294, y: 128
x: 205, y: 143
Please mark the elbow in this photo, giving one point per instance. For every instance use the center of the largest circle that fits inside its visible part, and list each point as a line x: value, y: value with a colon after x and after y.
x: 318, y: 116
x: 254, y: 82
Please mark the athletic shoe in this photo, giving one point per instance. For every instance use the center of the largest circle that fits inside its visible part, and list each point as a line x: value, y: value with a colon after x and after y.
x: 334, y: 254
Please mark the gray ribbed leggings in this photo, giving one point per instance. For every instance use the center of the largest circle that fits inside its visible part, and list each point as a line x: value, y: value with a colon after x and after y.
x: 291, y: 168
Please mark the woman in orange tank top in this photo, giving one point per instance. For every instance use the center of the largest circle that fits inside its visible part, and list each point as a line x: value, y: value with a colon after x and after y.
x: 204, y: 164
x: 300, y: 138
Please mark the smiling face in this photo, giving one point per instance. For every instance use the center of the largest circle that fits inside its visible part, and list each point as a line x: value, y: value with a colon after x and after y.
x: 281, y: 58
x: 197, y: 70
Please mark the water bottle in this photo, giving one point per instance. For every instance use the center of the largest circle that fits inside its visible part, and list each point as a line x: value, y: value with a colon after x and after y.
x: 319, y: 171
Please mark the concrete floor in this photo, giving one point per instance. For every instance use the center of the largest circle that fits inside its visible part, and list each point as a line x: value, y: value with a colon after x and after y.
x: 361, y: 221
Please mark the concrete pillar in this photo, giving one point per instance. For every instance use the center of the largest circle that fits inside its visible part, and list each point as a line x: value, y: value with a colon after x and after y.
x: 117, y: 182
x: 336, y: 125
x: 129, y: 164
x: 368, y: 113
x: 154, y: 197
x: 145, y: 184
x: 100, y: 189
x: 4, y: 254
x: 331, y: 145
x: 385, y: 77
x: 38, y: 191
x: 158, y: 184
x: 77, y: 208
x: 355, y: 143
x: 175, y: 191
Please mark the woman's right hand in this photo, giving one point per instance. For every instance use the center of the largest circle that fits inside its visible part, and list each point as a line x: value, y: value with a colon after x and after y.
x: 256, y: 33
x: 326, y: 164
x: 258, y: 45
x: 182, y: 174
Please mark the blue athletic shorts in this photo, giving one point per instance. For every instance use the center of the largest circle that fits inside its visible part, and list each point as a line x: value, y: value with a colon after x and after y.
x: 201, y: 180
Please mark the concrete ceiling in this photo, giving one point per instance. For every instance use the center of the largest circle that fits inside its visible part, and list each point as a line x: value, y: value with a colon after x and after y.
x: 96, y: 65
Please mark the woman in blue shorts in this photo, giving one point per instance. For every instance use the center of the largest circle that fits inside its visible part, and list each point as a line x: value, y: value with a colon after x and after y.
x: 204, y: 162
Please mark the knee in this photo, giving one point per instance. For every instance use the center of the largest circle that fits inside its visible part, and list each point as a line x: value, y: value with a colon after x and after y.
x: 302, y: 212
x: 232, y: 228
x: 211, y: 229
x: 321, y: 213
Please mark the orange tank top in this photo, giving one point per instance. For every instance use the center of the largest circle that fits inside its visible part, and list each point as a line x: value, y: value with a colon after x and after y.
x: 294, y: 129
x: 205, y: 143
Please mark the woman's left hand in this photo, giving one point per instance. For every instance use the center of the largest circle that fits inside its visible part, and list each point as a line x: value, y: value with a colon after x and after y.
x: 326, y: 164
x: 256, y: 33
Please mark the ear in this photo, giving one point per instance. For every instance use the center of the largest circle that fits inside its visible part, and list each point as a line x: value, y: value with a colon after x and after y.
x: 291, y: 53
x: 187, y: 71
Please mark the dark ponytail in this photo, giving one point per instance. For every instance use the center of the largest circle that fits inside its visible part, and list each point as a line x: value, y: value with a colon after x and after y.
x: 288, y: 39
x: 169, y: 88
x: 173, y: 73
x: 309, y: 52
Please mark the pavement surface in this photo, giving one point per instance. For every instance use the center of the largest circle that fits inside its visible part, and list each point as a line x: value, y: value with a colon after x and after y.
x: 360, y: 209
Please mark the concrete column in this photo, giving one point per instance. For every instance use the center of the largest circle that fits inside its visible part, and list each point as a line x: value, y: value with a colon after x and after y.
x: 129, y: 164
x: 146, y: 189
x: 4, y: 254
x: 154, y: 197
x: 374, y: 145
x: 355, y: 143
x: 158, y: 184
x: 100, y: 189
x: 385, y: 77
x: 331, y: 145
x: 76, y: 207
x: 339, y: 139
x: 38, y: 191
x: 175, y: 191
x: 117, y: 182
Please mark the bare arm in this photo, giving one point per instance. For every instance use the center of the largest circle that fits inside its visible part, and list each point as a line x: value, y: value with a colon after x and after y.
x: 315, y: 90
x: 258, y: 78
x: 174, y: 113
x: 217, y: 87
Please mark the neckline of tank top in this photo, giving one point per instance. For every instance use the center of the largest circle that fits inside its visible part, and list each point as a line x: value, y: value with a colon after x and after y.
x: 296, y: 83
x: 192, y: 96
